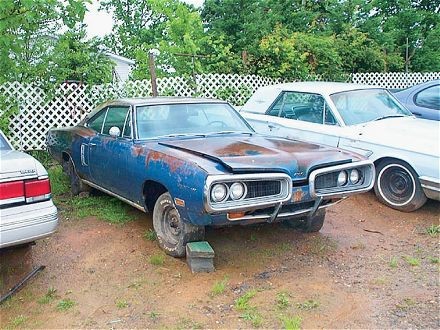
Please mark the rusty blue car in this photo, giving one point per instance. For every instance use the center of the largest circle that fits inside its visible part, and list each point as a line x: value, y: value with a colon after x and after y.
x: 195, y: 162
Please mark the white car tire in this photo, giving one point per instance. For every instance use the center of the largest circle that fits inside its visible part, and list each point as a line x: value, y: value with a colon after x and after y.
x: 397, y: 186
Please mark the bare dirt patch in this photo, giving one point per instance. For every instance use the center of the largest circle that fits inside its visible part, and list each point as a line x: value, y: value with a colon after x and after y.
x: 369, y: 267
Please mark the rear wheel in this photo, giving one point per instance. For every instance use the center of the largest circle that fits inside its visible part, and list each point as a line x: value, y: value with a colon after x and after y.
x: 397, y: 186
x: 76, y: 184
x: 172, y: 232
x: 314, y: 225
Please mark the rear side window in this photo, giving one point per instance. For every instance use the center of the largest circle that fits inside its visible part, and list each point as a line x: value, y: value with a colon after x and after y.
x: 429, y: 98
x: 96, y: 122
x: 3, y: 144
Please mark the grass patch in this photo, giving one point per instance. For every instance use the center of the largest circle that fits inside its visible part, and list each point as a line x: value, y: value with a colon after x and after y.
x: 434, y: 260
x: 308, y: 304
x: 48, y: 297
x: 65, y: 304
x: 282, y: 300
x: 291, y: 322
x: 59, y: 181
x: 253, y: 316
x: 150, y: 235
x: 406, y: 304
x: 219, y: 287
x: 154, y: 315
x: 157, y: 260
x: 17, y: 321
x: 242, y: 302
x: 121, y: 303
x: 433, y: 230
x: 393, y: 263
x: 186, y: 323
x: 411, y: 261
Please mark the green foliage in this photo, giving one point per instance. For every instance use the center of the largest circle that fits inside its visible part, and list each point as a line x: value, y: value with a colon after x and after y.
x: 120, y: 303
x: 65, y: 304
x: 433, y: 230
x: 219, y: 287
x: 242, y: 303
x: 17, y: 321
x: 308, y: 304
x: 291, y: 323
x: 282, y: 300
x: 232, y: 94
x: 150, y: 235
x: 48, y: 297
x: 157, y: 260
x: 393, y: 263
x: 412, y: 261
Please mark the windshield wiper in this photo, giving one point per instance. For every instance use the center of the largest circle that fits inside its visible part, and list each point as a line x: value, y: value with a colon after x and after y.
x: 390, y: 116
x: 182, y: 135
x: 230, y: 132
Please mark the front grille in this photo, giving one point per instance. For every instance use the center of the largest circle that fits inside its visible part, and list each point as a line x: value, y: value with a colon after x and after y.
x: 327, y: 180
x: 257, y: 189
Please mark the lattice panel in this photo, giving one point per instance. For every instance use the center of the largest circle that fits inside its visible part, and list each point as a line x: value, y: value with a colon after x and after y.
x: 71, y: 102
x: 396, y: 80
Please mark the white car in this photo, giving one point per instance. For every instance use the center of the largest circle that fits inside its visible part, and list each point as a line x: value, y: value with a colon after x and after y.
x: 27, y: 212
x: 364, y: 119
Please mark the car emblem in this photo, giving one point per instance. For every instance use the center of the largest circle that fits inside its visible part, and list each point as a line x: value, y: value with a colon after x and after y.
x: 27, y: 171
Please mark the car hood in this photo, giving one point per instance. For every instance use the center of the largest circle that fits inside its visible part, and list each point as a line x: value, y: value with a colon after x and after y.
x: 411, y: 134
x: 18, y: 165
x: 254, y: 153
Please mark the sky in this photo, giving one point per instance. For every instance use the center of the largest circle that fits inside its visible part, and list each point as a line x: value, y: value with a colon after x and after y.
x: 100, y: 23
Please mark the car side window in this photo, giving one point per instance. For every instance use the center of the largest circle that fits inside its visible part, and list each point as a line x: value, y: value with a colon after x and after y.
x: 127, y: 126
x: 429, y: 98
x: 302, y: 106
x: 115, y: 117
x: 96, y: 122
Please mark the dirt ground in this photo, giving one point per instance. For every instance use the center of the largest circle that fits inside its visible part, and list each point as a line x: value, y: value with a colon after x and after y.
x: 369, y: 267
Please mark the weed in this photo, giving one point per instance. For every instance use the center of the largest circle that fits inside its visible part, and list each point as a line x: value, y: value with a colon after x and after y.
x: 292, y: 323
x: 253, y: 316
x: 121, y: 303
x: 219, y: 287
x: 282, y: 300
x: 433, y: 230
x: 48, y: 297
x: 185, y: 323
x: 308, y: 304
x: 393, y: 263
x: 59, y: 181
x: 154, y: 315
x: 406, y: 304
x: 150, y: 235
x: 157, y: 260
x: 242, y: 303
x: 253, y: 237
x: 434, y: 260
x: 411, y: 261
x: 17, y: 321
x: 65, y: 304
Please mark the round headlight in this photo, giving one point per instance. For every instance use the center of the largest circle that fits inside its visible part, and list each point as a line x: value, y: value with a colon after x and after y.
x: 342, y: 178
x: 219, y: 192
x: 354, y: 176
x: 236, y: 191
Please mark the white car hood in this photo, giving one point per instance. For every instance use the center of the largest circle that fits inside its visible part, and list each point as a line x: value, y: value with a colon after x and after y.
x: 19, y: 165
x: 409, y: 133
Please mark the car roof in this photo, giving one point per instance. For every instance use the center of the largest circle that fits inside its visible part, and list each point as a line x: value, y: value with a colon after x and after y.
x: 319, y: 87
x: 162, y: 100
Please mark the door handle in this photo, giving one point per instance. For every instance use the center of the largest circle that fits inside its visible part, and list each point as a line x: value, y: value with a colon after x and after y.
x: 271, y: 127
x: 418, y: 114
x: 92, y: 144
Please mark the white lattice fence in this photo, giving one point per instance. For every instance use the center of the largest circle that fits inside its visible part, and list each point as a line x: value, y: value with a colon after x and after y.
x: 394, y: 79
x: 66, y: 106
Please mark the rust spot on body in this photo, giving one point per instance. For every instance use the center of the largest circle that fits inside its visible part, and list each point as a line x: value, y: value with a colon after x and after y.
x: 172, y: 162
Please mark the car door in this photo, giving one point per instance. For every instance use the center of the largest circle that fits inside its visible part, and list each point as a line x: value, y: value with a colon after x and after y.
x: 108, y: 156
x: 303, y: 116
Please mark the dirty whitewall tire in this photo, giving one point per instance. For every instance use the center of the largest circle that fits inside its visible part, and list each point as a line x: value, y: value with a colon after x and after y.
x: 172, y: 232
x: 397, y: 186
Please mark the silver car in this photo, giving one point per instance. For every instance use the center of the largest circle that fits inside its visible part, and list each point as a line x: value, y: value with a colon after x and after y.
x: 27, y: 212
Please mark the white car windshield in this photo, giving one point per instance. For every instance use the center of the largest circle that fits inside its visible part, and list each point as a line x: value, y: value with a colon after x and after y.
x: 188, y: 119
x: 361, y: 106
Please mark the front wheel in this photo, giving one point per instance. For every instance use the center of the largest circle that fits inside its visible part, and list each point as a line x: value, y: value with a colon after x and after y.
x: 397, y: 186
x: 76, y: 184
x: 172, y: 232
x: 316, y: 222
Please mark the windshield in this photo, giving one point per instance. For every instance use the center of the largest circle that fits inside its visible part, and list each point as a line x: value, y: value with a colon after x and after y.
x: 188, y: 119
x: 3, y: 144
x: 361, y: 106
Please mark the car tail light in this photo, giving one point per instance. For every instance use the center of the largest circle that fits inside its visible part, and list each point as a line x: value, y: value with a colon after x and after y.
x: 28, y: 191
x: 11, y: 190
x: 37, y: 190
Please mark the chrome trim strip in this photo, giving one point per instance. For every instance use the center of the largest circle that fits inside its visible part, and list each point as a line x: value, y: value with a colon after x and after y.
x: 254, y: 203
x: 344, y: 193
x: 12, y: 200
x: 283, y: 215
x: 430, y: 183
x: 91, y: 184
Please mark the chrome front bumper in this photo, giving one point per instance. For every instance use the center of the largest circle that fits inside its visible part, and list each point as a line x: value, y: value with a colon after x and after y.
x: 27, y: 223
x: 431, y: 187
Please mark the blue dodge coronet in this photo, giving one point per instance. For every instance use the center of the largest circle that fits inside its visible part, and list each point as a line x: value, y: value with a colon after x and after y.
x: 196, y: 162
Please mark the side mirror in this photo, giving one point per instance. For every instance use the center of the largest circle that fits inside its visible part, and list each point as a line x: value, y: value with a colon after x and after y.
x: 114, y: 132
